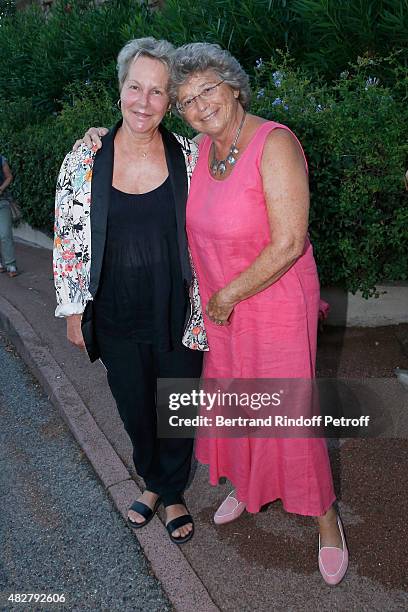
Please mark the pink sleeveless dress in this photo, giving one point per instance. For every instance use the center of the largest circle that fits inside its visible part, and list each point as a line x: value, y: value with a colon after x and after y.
x: 272, y: 334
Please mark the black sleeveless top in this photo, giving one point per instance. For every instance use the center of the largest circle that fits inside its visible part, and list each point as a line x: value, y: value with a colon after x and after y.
x: 141, y: 293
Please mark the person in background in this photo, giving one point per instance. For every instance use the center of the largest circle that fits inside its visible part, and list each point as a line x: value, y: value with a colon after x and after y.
x: 8, y: 258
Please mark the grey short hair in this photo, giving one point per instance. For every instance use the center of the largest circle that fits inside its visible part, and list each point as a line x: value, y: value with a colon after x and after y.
x: 142, y: 47
x: 198, y: 57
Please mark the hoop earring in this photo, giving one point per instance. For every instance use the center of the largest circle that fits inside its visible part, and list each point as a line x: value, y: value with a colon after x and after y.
x: 118, y: 104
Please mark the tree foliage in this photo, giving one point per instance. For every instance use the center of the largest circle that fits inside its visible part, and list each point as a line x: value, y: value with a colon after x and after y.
x: 351, y: 132
x: 7, y: 8
x: 335, y: 72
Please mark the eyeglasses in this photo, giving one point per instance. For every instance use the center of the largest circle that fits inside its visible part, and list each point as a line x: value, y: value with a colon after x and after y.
x: 207, y: 93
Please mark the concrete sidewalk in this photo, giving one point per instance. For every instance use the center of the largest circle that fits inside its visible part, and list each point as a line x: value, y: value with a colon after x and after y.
x: 261, y: 562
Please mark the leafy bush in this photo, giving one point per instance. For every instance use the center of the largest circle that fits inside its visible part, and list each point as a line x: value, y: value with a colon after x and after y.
x: 40, y: 56
x: 351, y: 133
x: 335, y: 33
x: 323, y: 35
x: 37, y: 150
x: 57, y: 77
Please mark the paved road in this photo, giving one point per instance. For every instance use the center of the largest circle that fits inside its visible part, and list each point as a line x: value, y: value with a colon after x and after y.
x: 59, y: 532
x: 266, y: 561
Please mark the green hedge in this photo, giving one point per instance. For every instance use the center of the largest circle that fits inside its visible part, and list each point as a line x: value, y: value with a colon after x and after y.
x: 57, y: 77
x: 352, y: 133
x: 36, y: 151
x: 323, y: 35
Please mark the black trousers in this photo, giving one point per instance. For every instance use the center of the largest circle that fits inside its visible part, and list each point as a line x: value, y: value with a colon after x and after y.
x: 132, y: 370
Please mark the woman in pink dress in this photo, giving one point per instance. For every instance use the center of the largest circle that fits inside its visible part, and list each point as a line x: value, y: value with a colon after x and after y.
x: 247, y: 220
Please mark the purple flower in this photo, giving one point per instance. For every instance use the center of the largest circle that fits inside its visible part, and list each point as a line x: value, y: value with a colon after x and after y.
x: 279, y: 102
x: 261, y: 93
x: 277, y: 77
x: 259, y: 63
x: 371, y: 82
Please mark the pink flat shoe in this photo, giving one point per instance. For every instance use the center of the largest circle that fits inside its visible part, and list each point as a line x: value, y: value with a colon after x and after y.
x: 229, y: 510
x: 333, y: 561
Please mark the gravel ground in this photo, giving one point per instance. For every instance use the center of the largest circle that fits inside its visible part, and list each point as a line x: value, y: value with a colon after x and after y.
x: 59, y: 532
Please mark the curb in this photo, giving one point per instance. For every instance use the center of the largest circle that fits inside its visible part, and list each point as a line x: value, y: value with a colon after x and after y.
x: 181, y: 584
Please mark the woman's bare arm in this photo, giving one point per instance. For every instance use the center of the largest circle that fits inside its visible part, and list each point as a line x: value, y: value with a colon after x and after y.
x: 286, y: 192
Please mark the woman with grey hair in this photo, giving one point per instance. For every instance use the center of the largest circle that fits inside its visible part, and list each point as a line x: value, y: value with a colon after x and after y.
x: 247, y: 220
x: 122, y: 271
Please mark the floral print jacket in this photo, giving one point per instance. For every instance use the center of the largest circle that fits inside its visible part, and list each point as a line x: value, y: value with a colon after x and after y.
x: 72, y: 242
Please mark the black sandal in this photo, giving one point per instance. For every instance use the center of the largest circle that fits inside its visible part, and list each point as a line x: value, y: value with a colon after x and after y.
x: 145, y: 511
x: 178, y: 522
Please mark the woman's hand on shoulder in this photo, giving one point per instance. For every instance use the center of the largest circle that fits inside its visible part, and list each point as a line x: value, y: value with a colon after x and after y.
x: 92, y: 138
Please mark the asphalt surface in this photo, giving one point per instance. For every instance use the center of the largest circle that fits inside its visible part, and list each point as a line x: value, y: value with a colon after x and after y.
x: 265, y: 562
x: 60, y: 533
